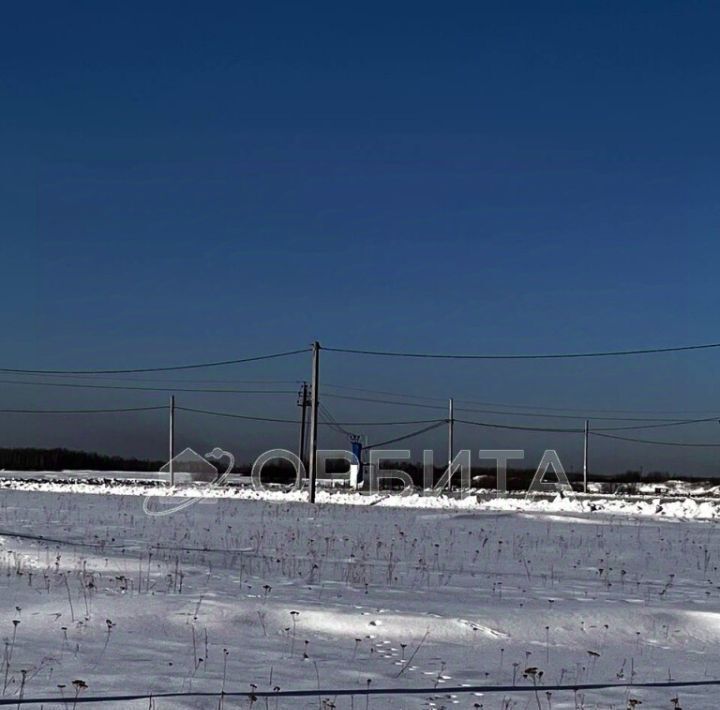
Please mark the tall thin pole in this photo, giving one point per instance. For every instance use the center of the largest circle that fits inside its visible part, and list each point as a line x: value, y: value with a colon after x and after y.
x: 303, y: 402
x: 585, y: 455
x: 171, y: 452
x: 451, y: 447
x: 314, y: 417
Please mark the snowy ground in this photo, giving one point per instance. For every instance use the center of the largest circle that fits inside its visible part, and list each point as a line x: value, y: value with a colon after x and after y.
x: 248, y: 590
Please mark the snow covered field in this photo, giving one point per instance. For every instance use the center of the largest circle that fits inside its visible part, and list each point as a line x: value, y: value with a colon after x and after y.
x: 249, y: 591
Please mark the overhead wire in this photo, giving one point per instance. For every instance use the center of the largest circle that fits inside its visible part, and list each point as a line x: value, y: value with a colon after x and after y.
x: 665, y: 421
x: 584, y: 412
x: 332, y: 422
x: 430, y: 691
x: 491, y: 425
x: 530, y: 356
x: 412, y: 434
x: 541, y: 415
x: 234, y: 415
x: 658, y: 426
x: 170, y: 368
x: 690, y: 445
x: 381, y: 353
x: 75, y: 385
x: 80, y: 411
x: 161, y: 379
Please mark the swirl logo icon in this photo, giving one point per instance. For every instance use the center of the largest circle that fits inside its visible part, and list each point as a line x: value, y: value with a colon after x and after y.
x: 190, y: 467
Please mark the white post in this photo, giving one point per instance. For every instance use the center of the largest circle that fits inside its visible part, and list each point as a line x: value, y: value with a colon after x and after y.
x: 172, y: 440
x: 451, y: 446
x: 585, y: 456
x: 314, y: 418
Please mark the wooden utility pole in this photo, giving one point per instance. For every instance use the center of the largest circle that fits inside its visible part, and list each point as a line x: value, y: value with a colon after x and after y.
x: 314, y: 417
x: 451, y: 446
x: 303, y: 402
x: 585, y: 455
x: 171, y: 451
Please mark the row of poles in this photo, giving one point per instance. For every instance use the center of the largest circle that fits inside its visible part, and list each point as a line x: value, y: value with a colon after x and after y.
x: 313, y: 403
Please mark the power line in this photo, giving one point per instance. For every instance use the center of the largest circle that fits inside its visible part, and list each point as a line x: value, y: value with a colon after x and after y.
x: 540, y: 415
x: 583, y: 412
x: 653, y: 441
x: 233, y: 415
x: 332, y: 422
x: 382, y: 401
x: 194, y: 366
x: 384, y: 392
x: 658, y: 426
x: 392, y: 423
x: 164, y: 380
x: 77, y: 385
x: 595, y: 432
x: 406, y: 436
x: 591, y: 412
x: 533, y: 356
x: 433, y: 691
x: 519, y: 428
x: 80, y: 411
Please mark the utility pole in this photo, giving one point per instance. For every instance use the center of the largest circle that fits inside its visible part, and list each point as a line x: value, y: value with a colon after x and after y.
x: 303, y: 402
x: 172, y: 440
x: 314, y: 417
x: 451, y: 424
x: 585, y: 455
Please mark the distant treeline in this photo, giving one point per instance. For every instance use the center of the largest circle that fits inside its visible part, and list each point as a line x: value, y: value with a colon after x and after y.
x: 482, y: 476
x: 520, y: 479
x: 66, y: 459
x: 32, y: 459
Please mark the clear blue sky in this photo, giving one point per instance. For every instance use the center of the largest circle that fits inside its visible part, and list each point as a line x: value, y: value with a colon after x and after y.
x: 194, y: 181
